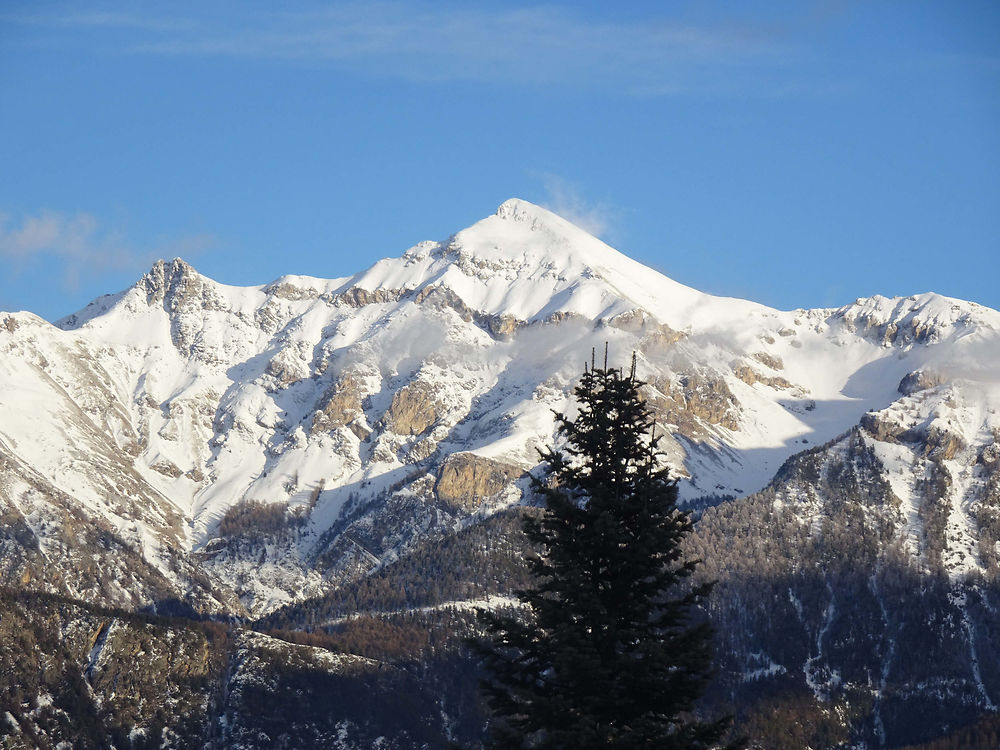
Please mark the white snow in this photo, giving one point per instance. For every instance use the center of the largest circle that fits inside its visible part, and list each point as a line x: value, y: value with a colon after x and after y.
x: 165, y: 405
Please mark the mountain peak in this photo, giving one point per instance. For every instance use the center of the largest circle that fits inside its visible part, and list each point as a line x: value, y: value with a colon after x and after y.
x: 164, y: 271
x: 531, y: 236
x: 518, y: 209
x: 530, y: 263
x: 170, y: 280
x: 517, y: 212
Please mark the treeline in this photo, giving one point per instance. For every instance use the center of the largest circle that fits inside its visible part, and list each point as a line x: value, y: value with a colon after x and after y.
x: 398, y: 638
x: 484, y: 559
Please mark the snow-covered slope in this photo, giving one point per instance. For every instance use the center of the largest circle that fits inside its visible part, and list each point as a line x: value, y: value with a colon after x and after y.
x: 526, y: 262
x: 284, y: 438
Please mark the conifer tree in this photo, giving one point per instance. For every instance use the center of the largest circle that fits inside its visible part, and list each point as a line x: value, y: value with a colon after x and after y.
x: 606, y: 653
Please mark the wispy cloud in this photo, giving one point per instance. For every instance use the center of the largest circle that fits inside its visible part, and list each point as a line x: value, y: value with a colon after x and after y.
x: 566, y: 199
x: 78, y: 245
x: 540, y: 45
x: 105, y: 19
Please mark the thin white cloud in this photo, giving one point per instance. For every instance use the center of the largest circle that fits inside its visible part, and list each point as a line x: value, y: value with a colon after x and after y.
x: 540, y: 45
x: 112, y: 19
x: 564, y: 198
x: 78, y: 245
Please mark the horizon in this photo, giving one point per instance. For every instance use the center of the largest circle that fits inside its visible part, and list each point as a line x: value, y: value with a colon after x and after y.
x: 794, y: 155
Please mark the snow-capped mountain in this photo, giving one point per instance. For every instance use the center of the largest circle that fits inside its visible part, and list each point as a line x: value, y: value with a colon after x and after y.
x: 310, y: 449
x: 428, y: 381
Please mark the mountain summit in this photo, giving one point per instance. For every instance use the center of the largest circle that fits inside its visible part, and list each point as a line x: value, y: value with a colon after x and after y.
x: 529, y: 263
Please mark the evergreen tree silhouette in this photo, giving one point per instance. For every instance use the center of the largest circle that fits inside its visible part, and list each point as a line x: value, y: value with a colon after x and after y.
x: 607, y: 652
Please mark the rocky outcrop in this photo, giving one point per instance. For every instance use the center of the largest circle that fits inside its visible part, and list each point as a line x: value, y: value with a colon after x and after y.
x: 440, y: 297
x: 880, y: 428
x: 414, y: 409
x: 287, y: 367
x: 918, y: 380
x: 465, y: 480
x: 769, y: 360
x: 340, y: 406
x: 358, y: 297
x: 177, y: 286
x: 694, y: 401
x: 655, y: 335
x: 710, y: 399
x: 942, y: 444
x: 186, y: 296
x: 167, y: 468
x: 750, y: 376
x: 989, y: 456
x: 632, y: 320
x: 907, y: 327
x: 939, y: 443
x: 288, y: 291
x: 502, y: 327
x: 659, y: 337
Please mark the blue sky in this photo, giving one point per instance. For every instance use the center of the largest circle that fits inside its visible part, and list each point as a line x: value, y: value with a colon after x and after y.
x: 798, y: 154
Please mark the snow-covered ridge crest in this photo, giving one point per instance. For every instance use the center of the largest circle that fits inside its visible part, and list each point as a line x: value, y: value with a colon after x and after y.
x: 919, y: 318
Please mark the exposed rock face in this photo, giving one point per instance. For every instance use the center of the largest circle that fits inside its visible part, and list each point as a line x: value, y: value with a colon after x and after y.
x: 942, y: 444
x: 340, y: 405
x: 290, y: 291
x: 918, y: 380
x: 938, y: 443
x: 658, y: 338
x: 287, y: 367
x: 561, y: 316
x: 990, y: 456
x: 358, y: 297
x: 186, y: 296
x: 655, y: 336
x: 178, y: 287
x: 414, y: 409
x: 633, y: 321
x: 502, y: 327
x: 167, y: 468
x: 769, y: 360
x: 876, y: 425
x: 710, y: 399
x: 693, y: 402
x: 466, y: 480
x: 441, y: 297
x: 923, y: 319
x: 750, y: 376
